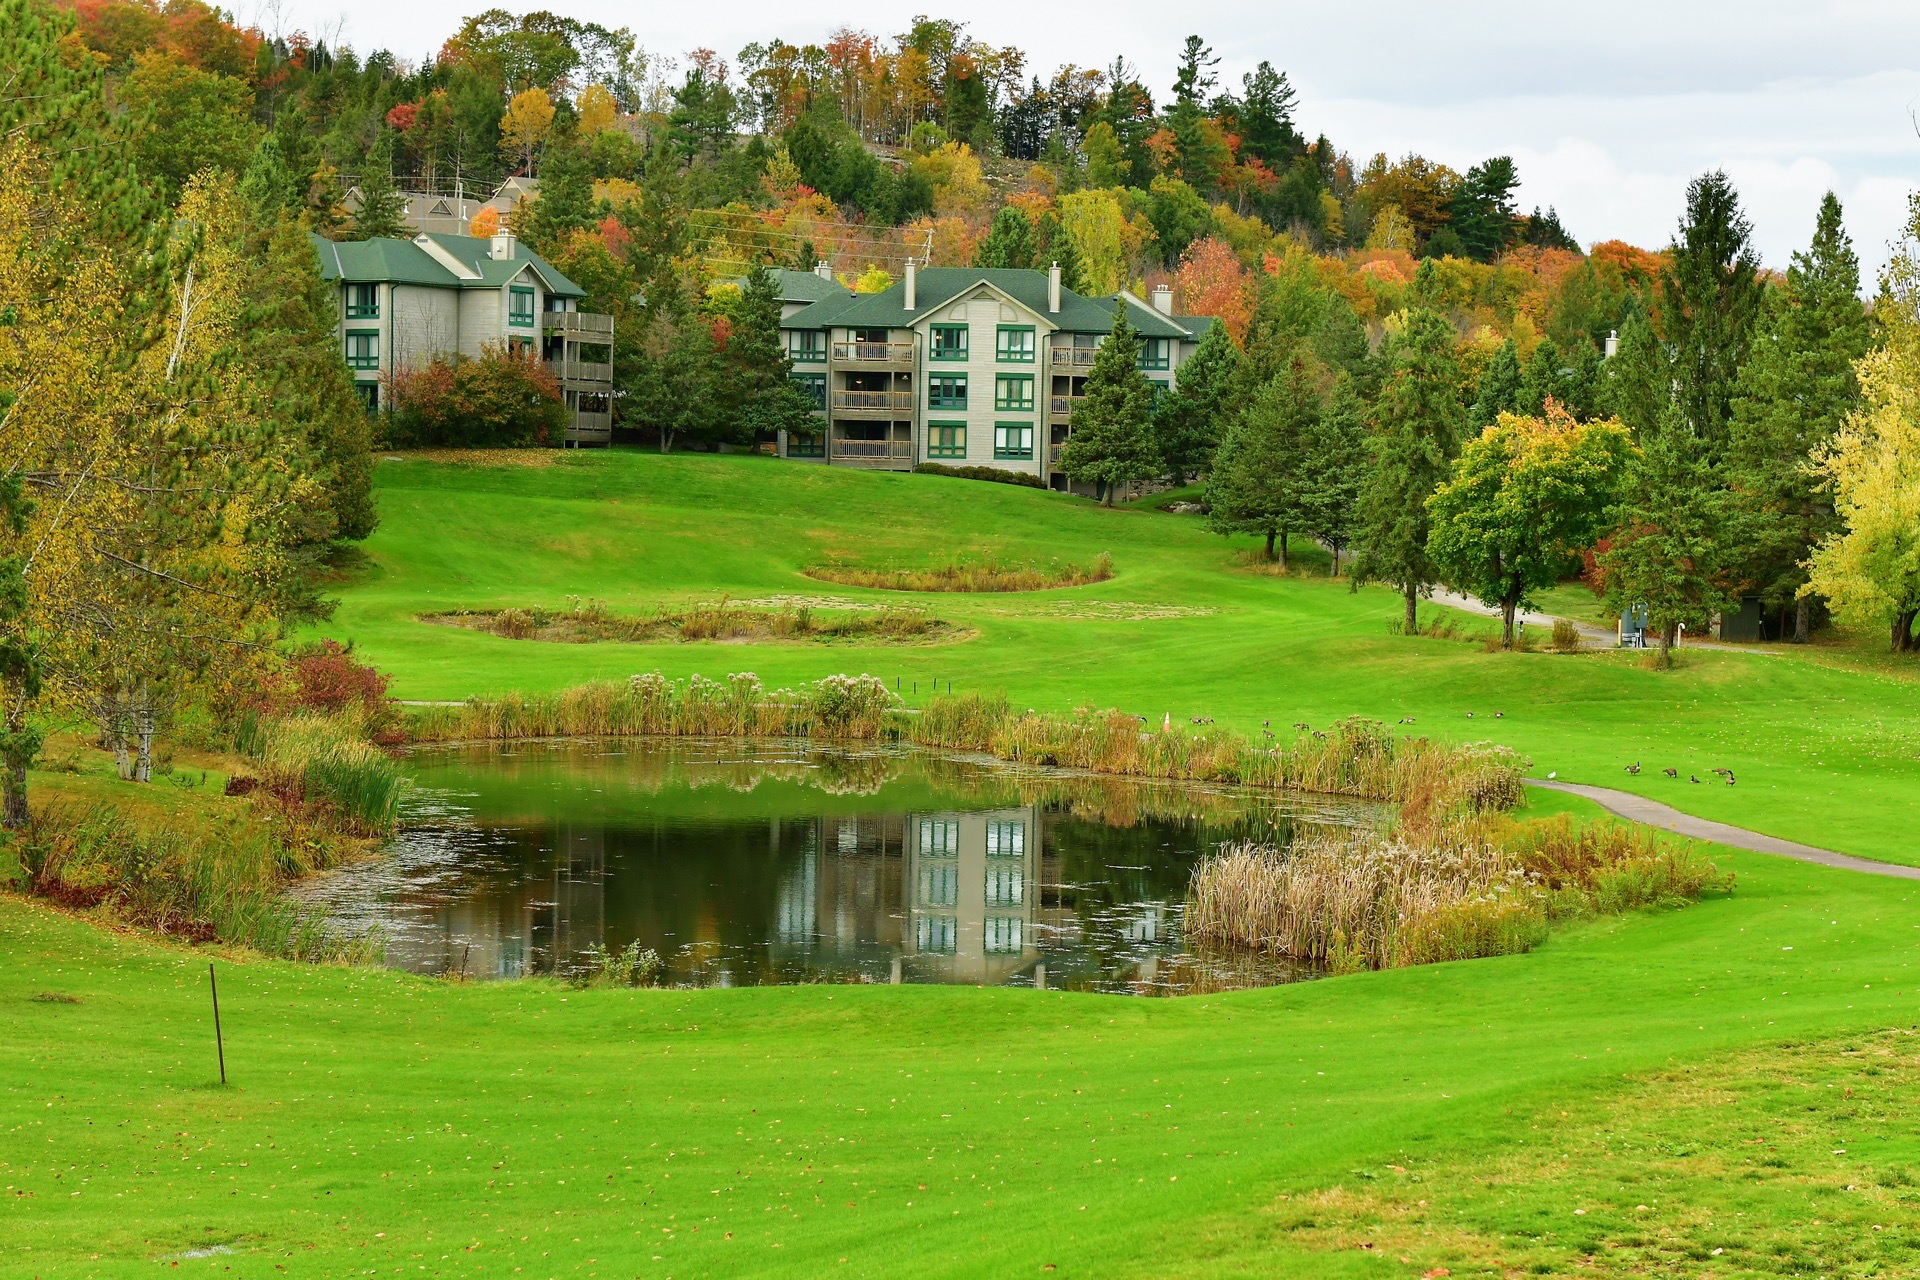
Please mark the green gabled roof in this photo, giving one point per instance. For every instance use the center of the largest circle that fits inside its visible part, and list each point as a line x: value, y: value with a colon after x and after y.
x: 935, y: 287
x: 801, y: 286
x: 396, y: 261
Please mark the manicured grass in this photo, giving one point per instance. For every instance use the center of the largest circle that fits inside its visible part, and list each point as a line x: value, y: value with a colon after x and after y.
x: 1825, y: 742
x: 376, y: 1121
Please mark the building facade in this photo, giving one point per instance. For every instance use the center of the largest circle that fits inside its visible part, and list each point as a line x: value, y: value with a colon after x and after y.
x: 405, y: 303
x: 960, y: 366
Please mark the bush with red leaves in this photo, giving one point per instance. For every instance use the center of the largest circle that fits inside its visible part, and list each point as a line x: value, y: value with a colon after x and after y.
x: 325, y: 677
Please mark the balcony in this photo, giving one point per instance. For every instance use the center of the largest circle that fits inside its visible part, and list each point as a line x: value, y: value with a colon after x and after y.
x: 873, y: 453
x: 1073, y: 357
x: 882, y: 404
x: 1053, y: 454
x: 581, y: 326
x: 1060, y: 408
x: 590, y: 428
x: 873, y: 355
x: 598, y: 373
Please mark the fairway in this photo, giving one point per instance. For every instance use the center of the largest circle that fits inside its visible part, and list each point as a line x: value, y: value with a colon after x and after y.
x: 1824, y: 742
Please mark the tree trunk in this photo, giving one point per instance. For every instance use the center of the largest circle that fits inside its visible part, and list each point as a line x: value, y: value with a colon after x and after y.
x: 1668, y: 631
x: 1270, y: 537
x: 1903, y: 630
x: 16, y: 752
x: 666, y: 441
x: 1802, y: 620
x: 143, y: 730
x: 1506, y: 622
x: 1413, y: 609
x: 1283, y: 549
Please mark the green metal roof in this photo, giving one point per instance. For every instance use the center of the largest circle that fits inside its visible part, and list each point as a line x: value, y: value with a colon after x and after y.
x: 801, y: 286
x: 396, y: 261
x: 936, y: 287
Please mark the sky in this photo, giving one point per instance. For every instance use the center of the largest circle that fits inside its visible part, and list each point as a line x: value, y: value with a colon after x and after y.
x: 1607, y: 109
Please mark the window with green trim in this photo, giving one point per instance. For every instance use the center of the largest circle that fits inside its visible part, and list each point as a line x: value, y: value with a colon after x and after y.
x: 946, y: 439
x: 1014, y: 344
x: 806, y: 346
x: 1013, y: 440
x: 1013, y: 391
x: 1155, y: 353
x: 1159, y: 390
x: 363, y: 348
x: 363, y: 302
x: 948, y: 391
x: 369, y: 395
x: 520, y: 306
x: 804, y: 446
x: 815, y: 385
x: 948, y: 342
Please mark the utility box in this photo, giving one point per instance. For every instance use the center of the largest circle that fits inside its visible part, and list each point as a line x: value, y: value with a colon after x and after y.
x: 1633, y: 627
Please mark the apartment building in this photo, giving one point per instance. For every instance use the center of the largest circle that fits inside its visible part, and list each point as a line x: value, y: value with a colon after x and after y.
x: 960, y: 365
x: 405, y: 302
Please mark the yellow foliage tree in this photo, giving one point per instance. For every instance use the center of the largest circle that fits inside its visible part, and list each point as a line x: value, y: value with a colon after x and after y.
x: 528, y: 120
x: 596, y: 110
x: 1097, y: 227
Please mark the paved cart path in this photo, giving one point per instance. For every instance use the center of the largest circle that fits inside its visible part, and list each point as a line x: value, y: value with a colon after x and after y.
x: 1635, y: 808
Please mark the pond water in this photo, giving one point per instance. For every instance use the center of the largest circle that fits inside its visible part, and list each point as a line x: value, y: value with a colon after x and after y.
x: 784, y: 862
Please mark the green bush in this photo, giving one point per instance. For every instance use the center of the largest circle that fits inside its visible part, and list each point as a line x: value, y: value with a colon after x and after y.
x: 995, y: 474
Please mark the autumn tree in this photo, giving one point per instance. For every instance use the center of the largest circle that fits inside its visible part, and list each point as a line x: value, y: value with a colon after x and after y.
x: 1416, y: 433
x: 1792, y: 396
x: 1524, y: 497
x: 525, y: 127
x: 1112, y: 442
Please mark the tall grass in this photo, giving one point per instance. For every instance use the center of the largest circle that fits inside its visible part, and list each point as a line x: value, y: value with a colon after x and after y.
x: 983, y: 575
x: 223, y: 881
x: 590, y: 621
x: 840, y: 706
x: 325, y: 762
x: 1359, y: 900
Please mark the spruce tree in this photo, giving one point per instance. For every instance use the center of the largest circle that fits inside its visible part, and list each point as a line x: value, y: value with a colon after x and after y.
x: 383, y: 210
x: 1009, y: 242
x: 1636, y: 384
x: 1793, y: 395
x: 1710, y: 300
x: 1417, y: 424
x: 1499, y: 390
x: 1542, y: 379
x: 1190, y: 420
x: 1112, y: 443
x: 1056, y: 249
x: 1336, y: 470
x: 1259, y: 476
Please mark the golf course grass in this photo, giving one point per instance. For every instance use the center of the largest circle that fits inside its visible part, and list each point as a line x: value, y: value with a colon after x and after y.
x: 1824, y: 742
x: 1718, y: 1090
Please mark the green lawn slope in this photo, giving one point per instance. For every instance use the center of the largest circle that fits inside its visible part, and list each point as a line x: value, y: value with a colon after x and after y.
x: 1825, y: 743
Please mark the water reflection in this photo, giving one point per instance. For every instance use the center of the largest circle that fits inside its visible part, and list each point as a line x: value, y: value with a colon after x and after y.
x: 745, y: 863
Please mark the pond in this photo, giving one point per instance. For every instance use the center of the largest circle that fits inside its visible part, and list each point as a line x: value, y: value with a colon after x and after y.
x: 786, y: 862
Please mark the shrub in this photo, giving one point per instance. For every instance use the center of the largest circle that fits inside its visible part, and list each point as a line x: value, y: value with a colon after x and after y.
x: 326, y: 679
x: 983, y: 575
x: 994, y: 474
x: 1566, y: 636
x: 502, y: 399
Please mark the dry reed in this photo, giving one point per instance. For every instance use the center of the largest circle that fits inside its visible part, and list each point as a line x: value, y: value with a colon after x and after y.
x: 590, y: 622
x: 985, y: 575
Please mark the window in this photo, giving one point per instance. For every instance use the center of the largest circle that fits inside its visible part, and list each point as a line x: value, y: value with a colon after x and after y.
x: 939, y: 839
x: 1154, y: 353
x: 1159, y: 386
x: 949, y: 342
x: 1006, y: 839
x: 1005, y: 934
x: 948, y: 391
x: 1006, y: 886
x: 946, y: 439
x: 369, y: 395
x: 940, y: 884
x: 934, y: 933
x: 1010, y: 440
x: 363, y: 348
x: 520, y: 306
x: 806, y: 346
x: 805, y: 446
x: 1013, y: 391
x: 363, y: 302
x: 815, y: 386
x: 1014, y: 345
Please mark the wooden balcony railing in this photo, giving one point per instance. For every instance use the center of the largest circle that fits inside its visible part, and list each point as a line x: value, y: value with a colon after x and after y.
x: 1062, y: 406
x: 895, y: 353
x: 1074, y: 357
x: 874, y: 401
x: 590, y: 428
x: 873, y: 450
x: 598, y: 371
x: 584, y: 325
x: 1053, y: 454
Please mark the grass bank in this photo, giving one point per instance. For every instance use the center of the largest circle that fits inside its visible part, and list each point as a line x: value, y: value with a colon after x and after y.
x: 1825, y: 741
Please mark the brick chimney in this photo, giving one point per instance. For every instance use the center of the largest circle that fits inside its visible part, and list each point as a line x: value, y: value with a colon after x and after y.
x: 1053, y: 289
x: 1163, y: 299
x: 912, y: 287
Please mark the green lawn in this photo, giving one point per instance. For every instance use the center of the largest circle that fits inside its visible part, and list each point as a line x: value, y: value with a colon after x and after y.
x: 1734, y: 1066
x: 1825, y: 742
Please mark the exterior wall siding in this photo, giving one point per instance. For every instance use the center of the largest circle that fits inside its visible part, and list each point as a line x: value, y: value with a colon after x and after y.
x: 421, y: 323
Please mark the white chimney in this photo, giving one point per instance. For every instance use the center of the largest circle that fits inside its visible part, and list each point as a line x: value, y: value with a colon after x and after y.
x: 1163, y: 299
x: 1053, y: 288
x: 1613, y: 342
x: 822, y: 270
x: 501, y: 248
x: 912, y: 286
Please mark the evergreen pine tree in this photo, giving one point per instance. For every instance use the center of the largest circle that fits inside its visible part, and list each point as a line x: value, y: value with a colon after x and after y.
x: 1542, y: 379
x: 1710, y: 299
x: 20, y: 659
x: 1190, y: 420
x: 1499, y: 390
x: 1636, y: 385
x: 1793, y: 394
x: 268, y: 185
x: 383, y: 210
x: 1417, y: 423
x: 1112, y: 442
x: 1258, y: 482
x: 1056, y: 248
x: 1009, y: 242
x: 565, y: 203
x: 1336, y: 469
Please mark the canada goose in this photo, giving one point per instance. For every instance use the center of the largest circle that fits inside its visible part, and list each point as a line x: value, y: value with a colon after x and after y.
x: 1691, y: 778
x: 1723, y: 772
x: 1634, y: 768
x: 1469, y: 715
x: 1406, y: 719
x: 1729, y: 777
x: 1671, y: 773
x: 1301, y: 724
x: 1499, y: 715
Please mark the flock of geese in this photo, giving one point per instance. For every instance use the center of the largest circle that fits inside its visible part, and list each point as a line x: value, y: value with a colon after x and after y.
x: 1726, y: 774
